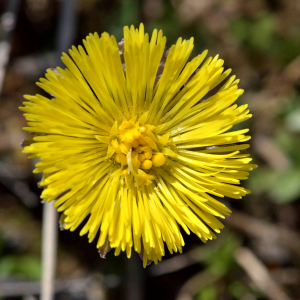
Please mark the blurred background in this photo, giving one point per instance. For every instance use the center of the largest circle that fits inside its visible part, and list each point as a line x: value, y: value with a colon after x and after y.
x: 257, y: 255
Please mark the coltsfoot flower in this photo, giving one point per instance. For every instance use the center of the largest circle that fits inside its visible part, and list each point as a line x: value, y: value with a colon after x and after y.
x: 136, y: 141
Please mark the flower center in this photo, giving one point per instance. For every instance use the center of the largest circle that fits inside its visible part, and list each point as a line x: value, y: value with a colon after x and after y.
x: 137, y: 151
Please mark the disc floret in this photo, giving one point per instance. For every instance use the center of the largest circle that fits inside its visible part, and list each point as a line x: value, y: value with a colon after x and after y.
x: 136, y: 150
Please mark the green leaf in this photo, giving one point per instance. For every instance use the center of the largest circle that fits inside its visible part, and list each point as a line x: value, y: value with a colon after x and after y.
x: 207, y: 293
x: 238, y: 289
x: 28, y: 267
x: 261, y: 36
x: 292, y: 120
x: 287, y: 187
x: 221, y: 261
x: 283, y: 187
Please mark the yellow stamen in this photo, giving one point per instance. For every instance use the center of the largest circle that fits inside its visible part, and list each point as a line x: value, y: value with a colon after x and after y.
x: 121, y: 159
x: 135, y: 143
x: 134, y: 154
x: 125, y: 172
x: 136, y: 164
x: 128, y: 137
x: 141, y: 157
x: 115, y: 143
x: 118, y: 150
x: 148, y: 155
x: 138, y: 150
x: 158, y: 160
x: 146, y: 164
x: 142, y: 141
x: 137, y: 134
x: 147, y: 149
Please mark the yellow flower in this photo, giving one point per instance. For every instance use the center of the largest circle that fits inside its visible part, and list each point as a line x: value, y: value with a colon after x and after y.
x: 135, y: 144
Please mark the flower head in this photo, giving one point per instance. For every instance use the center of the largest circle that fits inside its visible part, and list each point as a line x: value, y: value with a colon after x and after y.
x: 136, y: 141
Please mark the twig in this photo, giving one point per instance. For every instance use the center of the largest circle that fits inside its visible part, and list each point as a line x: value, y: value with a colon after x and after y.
x: 262, y: 229
x: 135, y: 279
x: 66, y: 33
x: 74, y: 285
x: 8, y: 22
x: 184, y: 260
x: 67, y: 25
x: 195, y: 283
x: 259, y: 274
x: 49, y: 243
